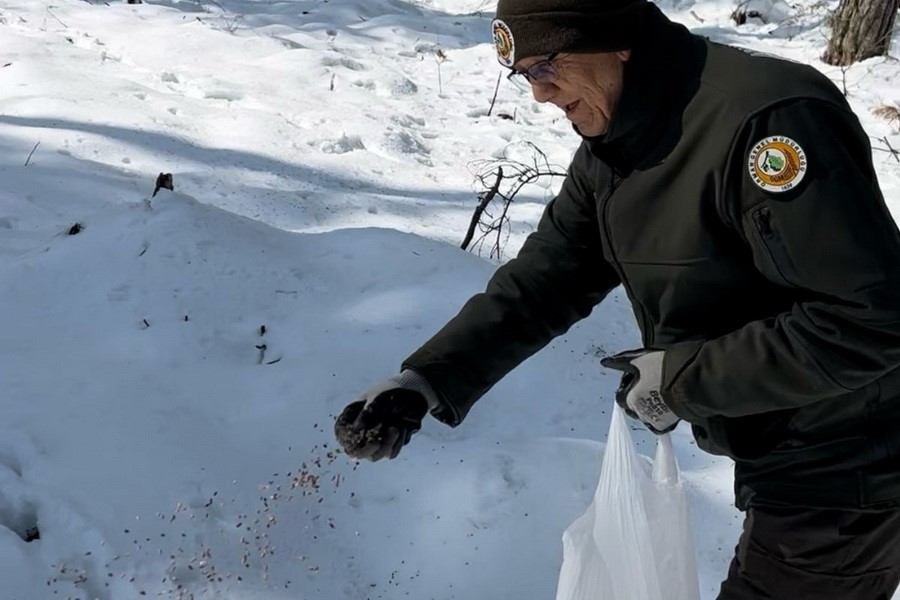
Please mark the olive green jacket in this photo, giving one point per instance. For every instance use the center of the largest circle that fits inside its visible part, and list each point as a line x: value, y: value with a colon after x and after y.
x: 779, y: 310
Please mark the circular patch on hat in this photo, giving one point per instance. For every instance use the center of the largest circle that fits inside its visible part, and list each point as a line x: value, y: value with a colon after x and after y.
x: 504, y: 43
x: 777, y: 163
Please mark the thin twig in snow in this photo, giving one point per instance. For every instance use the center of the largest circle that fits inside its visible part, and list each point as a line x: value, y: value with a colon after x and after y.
x: 31, y: 153
x: 440, y: 57
x: 57, y: 18
x: 496, y: 89
x: 894, y: 153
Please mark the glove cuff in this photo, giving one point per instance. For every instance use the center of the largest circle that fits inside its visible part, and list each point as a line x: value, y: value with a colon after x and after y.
x: 411, y: 380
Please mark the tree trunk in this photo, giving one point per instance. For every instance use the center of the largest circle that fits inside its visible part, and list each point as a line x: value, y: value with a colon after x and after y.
x: 860, y: 29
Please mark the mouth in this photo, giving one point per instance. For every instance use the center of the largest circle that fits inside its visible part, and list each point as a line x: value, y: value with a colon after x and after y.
x: 571, y: 106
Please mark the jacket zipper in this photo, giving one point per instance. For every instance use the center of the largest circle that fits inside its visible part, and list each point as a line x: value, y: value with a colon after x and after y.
x: 764, y: 224
x: 646, y: 330
x: 771, y: 241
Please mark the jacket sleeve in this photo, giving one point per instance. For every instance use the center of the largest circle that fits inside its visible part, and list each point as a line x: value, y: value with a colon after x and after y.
x: 833, y: 243
x: 557, y: 278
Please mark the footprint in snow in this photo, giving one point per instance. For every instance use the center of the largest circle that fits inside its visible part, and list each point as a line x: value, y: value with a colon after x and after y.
x: 343, y: 61
x: 207, y: 88
x: 407, y: 143
x: 287, y: 43
x: 408, y: 120
x: 17, y: 508
x: 80, y: 562
x: 120, y: 293
x: 223, y: 93
x: 404, y: 87
x: 342, y: 145
x: 366, y: 84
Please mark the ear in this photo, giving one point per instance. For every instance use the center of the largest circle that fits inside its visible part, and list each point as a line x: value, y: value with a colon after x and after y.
x: 624, y: 55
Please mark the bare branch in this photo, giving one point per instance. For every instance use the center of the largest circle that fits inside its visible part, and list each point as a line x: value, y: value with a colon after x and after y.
x: 479, y: 210
x: 890, y: 149
x: 501, y: 179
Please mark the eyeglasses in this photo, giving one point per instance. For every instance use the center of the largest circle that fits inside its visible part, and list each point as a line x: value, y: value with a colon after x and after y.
x: 542, y: 71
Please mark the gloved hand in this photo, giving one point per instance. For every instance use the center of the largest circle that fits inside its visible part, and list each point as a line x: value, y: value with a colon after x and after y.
x: 383, y: 419
x: 638, y: 392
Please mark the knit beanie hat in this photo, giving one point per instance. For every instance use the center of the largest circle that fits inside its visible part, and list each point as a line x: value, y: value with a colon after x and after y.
x: 537, y: 27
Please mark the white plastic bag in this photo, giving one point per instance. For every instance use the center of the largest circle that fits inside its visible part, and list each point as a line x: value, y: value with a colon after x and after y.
x: 634, y: 542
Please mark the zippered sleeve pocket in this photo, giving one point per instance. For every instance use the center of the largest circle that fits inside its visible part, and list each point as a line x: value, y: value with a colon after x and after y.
x: 770, y: 253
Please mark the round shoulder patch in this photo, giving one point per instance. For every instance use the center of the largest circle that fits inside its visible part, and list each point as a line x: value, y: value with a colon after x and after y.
x: 777, y: 163
x: 504, y: 43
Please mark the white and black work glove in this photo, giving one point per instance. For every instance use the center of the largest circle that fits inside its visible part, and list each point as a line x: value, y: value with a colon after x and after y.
x: 383, y: 419
x: 639, y: 392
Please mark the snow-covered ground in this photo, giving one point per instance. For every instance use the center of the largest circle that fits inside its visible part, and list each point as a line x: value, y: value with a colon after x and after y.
x: 169, y: 375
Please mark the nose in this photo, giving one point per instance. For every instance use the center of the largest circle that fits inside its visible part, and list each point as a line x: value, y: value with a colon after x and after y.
x: 542, y: 91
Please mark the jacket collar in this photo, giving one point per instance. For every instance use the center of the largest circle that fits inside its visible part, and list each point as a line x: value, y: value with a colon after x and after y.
x: 661, y: 77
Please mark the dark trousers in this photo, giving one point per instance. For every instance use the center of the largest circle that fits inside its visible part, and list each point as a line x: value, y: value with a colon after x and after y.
x: 812, y: 554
